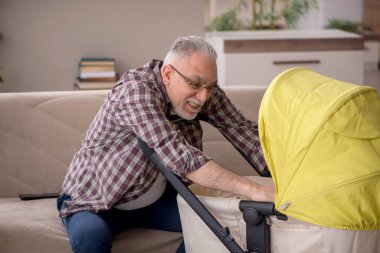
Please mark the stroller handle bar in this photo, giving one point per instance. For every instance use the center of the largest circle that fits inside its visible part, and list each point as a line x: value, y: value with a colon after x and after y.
x: 221, y: 232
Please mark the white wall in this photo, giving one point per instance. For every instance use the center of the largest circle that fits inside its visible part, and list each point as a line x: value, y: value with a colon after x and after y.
x: 43, y: 40
x: 332, y: 9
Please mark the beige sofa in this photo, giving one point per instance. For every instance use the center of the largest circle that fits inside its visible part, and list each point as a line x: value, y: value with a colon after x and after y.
x: 39, y: 134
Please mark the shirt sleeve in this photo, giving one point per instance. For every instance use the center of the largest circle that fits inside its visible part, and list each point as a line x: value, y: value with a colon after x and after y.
x: 143, y: 110
x: 241, y: 132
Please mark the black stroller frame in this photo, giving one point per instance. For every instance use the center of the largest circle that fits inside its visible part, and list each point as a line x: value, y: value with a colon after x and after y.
x: 254, y: 213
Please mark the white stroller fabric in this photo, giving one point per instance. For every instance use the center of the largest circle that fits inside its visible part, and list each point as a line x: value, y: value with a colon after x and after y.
x: 286, y: 236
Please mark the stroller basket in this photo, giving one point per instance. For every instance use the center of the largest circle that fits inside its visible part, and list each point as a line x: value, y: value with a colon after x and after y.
x: 292, y: 235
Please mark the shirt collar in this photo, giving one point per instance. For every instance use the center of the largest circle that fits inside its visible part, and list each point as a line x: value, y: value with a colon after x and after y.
x: 157, y: 64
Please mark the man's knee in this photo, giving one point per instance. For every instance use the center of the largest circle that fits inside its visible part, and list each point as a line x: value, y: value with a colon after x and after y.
x: 92, y: 241
x: 89, y: 234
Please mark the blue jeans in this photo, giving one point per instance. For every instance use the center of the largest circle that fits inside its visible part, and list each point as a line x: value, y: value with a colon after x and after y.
x: 93, y: 232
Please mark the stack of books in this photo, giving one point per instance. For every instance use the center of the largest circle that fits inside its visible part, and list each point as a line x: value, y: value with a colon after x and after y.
x: 96, y: 73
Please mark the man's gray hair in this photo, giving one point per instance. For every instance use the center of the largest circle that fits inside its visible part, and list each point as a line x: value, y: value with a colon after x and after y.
x: 183, y: 47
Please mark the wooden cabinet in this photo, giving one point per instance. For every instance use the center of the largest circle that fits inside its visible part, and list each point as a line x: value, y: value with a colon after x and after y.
x: 255, y: 58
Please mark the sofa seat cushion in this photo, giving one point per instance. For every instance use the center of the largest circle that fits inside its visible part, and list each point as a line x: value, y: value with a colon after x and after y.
x: 34, y: 226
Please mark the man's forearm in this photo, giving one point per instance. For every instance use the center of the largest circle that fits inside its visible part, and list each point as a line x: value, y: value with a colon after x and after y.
x: 212, y: 175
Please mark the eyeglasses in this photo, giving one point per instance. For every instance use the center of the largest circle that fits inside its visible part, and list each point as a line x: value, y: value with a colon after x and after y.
x: 194, y: 84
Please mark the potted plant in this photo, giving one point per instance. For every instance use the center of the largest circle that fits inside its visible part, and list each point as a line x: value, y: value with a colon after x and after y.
x: 229, y: 20
x: 266, y: 14
x: 349, y: 26
x: 295, y: 9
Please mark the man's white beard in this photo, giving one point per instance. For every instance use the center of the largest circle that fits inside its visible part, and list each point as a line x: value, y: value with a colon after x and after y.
x: 180, y: 112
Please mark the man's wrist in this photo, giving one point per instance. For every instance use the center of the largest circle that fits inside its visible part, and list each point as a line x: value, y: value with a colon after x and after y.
x: 247, y: 188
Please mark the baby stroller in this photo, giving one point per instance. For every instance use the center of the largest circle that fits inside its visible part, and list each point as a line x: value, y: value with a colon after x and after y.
x: 321, y: 139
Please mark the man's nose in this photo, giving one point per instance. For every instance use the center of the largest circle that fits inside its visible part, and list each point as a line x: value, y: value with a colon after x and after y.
x: 203, y: 94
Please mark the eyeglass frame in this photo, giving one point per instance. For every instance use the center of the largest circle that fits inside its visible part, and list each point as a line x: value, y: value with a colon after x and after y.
x: 192, y: 84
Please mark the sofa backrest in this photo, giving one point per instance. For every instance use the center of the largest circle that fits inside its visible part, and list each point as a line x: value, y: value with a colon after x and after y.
x: 247, y: 99
x: 41, y: 131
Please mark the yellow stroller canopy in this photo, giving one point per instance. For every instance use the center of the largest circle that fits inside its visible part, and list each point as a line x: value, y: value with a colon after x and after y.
x: 321, y: 140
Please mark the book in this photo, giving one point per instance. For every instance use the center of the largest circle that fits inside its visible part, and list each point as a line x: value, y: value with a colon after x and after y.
x: 84, y: 85
x: 96, y: 68
x: 97, y: 59
x: 107, y: 74
x: 96, y: 73
x: 97, y: 62
x: 98, y: 79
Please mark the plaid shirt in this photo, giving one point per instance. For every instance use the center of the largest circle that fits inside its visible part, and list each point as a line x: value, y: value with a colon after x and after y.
x: 110, y: 169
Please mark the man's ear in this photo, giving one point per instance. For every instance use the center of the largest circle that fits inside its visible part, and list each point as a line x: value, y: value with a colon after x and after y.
x: 166, y: 74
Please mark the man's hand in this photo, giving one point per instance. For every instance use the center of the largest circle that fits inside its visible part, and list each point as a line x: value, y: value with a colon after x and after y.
x: 214, y: 176
x: 262, y: 193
